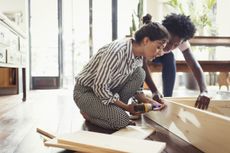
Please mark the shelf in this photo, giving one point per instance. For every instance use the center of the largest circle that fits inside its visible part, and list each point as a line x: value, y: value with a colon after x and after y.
x: 7, y: 65
x: 210, y: 41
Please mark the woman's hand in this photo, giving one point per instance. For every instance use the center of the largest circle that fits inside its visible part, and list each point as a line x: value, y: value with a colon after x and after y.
x: 144, y: 99
x: 131, y: 110
x: 157, y: 97
x: 202, y: 101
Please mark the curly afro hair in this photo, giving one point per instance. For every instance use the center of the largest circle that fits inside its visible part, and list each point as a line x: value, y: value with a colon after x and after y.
x: 179, y: 25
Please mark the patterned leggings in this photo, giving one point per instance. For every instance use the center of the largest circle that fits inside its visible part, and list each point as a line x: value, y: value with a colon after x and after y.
x: 108, y: 116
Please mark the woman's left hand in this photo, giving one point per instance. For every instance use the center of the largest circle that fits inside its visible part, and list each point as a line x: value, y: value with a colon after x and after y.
x: 157, y: 96
x: 202, y: 101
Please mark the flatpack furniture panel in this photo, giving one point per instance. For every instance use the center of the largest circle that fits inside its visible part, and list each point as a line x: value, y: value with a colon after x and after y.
x: 221, y: 107
x: 210, y: 132
x: 129, y: 139
x: 136, y: 132
x: 86, y: 141
x: 12, y: 57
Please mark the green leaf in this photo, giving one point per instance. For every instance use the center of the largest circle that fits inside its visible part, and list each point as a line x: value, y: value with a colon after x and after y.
x: 140, y: 9
x: 134, y: 23
x: 211, y: 3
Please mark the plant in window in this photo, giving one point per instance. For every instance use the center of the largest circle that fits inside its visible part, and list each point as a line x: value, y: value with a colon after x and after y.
x: 200, y: 11
x: 136, y: 17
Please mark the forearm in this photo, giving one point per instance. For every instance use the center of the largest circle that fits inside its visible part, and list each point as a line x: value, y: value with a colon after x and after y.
x: 199, y: 75
x: 142, y: 98
x: 196, y: 69
x: 148, y: 78
x: 121, y: 105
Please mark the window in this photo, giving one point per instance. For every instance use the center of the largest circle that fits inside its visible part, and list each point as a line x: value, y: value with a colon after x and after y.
x: 44, y: 41
x: 125, y: 16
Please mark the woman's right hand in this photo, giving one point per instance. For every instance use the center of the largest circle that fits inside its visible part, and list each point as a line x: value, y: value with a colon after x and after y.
x: 130, y: 109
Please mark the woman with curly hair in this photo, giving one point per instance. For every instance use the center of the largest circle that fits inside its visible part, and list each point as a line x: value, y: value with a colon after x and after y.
x: 181, y: 30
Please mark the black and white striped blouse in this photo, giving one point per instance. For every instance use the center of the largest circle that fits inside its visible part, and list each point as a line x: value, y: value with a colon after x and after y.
x: 110, y: 67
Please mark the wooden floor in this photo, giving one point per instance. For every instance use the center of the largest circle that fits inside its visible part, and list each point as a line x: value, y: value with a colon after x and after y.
x: 55, y: 111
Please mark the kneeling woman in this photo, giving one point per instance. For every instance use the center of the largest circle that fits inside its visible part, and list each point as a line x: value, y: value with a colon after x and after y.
x: 115, y: 74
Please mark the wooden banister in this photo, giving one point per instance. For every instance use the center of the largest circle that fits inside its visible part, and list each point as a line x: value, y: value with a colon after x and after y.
x: 210, y: 41
x: 207, y: 66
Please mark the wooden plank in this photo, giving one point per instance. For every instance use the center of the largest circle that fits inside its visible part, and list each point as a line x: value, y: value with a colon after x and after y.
x: 221, y: 107
x: 207, y: 131
x: 137, y: 132
x: 54, y: 143
x: 130, y: 132
x: 210, y: 41
x: 207, y: 66
x: 86, y: 141
x: 193, y: 99
x: 48, y: 135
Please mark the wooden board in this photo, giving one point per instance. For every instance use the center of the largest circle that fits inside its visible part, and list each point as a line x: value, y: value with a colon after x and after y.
x: 86, y: 141
x: 131, y: 132
x: 207, y: 131
x: 137, y: 132
x: 221, y: 107
x: 54, y: 143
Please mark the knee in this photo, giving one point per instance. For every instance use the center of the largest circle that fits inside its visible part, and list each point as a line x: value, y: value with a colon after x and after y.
x: 120, y: 122
x: 117, y: 118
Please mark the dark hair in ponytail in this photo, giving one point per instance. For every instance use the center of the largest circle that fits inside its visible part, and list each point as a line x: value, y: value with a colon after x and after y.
x: 152, y: 30
x: 146, y: 19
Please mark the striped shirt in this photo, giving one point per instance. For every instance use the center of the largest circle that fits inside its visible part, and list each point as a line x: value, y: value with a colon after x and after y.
x: 110, y: 67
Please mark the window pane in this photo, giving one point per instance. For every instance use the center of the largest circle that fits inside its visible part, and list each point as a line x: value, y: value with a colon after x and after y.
x: 102, y: 23
x: 125, y: 16
x: 44, y: 38
x: 75, y: 38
